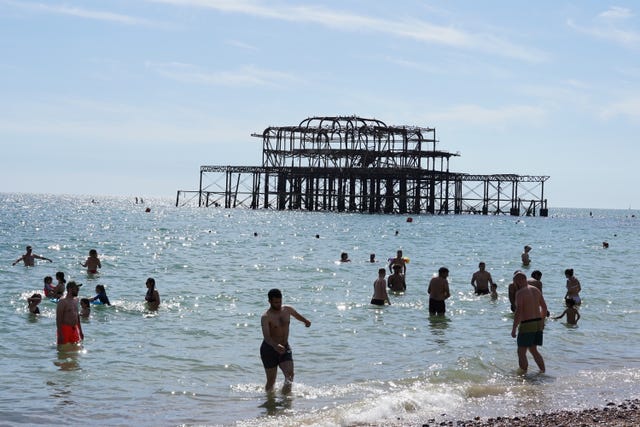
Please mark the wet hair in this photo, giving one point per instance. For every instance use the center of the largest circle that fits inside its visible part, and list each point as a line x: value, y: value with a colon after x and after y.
x: 48, y: 279
x: 100, y: 288
x: 383, y: 270
x: 36, y: 296
x: 274, y: 293
x: 152, y: 281
x: 568, y: 272
x: 60, y: 276
x: 443, y: 270
x: 84, y: 301
x: 93, y: 252
x: 536, y: 274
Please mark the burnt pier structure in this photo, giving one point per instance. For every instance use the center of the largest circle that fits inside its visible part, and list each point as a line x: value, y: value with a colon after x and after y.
x: 353, y: 164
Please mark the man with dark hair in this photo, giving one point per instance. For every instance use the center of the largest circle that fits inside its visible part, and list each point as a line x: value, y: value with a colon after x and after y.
x: 438, y: 291
x: 275, y: 350
x: 29, y: 257
x: 531, y: 310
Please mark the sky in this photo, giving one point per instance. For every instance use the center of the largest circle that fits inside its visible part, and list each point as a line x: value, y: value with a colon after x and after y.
x: 131, y: 97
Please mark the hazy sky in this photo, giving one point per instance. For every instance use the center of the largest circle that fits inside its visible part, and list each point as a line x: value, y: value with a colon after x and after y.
x: 130, y: 97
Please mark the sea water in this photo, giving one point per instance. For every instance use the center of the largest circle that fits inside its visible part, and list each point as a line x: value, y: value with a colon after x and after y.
x: 196, y: 360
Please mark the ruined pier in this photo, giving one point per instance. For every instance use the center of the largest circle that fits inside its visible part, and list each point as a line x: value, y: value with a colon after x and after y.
x: 353, y: 164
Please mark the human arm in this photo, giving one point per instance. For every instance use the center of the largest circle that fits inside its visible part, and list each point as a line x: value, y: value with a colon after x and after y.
x: 42, y: 258
x: 18, y: 260
x: 561, y: 316
x: 299, y: 316
x: 473, y: 282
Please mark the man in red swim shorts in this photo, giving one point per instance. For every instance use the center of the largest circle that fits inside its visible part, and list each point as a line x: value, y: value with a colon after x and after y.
x: 68, y: 317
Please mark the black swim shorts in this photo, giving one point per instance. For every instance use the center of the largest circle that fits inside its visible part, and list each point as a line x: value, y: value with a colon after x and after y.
x: 271, y: 358
x: 436, y: 306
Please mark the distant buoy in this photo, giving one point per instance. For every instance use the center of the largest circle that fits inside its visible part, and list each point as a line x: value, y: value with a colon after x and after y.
x: 409, y: 219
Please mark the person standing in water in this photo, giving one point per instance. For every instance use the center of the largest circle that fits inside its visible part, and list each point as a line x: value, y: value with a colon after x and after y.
x: 29, y: 257
x: 481, y: 280
x: 153, y: 296
x: 68, y: 317
x: 528, y: 319
x: 275, y: 350
x: 93, y: 262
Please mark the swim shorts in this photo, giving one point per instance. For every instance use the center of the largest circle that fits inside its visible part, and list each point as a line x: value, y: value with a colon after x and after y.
x: 530, y: 332
x: 482, y: 291
x: 70, y: 334
x: 271, y: 358
x: 376, y: 301
x: 436, y: 306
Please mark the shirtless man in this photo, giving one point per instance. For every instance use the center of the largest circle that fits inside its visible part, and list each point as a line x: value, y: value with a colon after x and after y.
x: 396, y: 281
x: 275, y: 350
x: 438, y: 291
x: 529, y: 321
x: 68, y: 317
x: 534, y: 280
x: 380, y: 295
x: 398, y: 260
x: 525, y: 256
x: 481, y: 280
x: 29, y: 257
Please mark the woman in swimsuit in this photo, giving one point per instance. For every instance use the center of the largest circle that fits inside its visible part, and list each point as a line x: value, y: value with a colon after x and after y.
x: 152, y: 297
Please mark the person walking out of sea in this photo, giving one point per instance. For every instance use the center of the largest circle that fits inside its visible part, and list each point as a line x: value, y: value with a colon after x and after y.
x: 528, y: 320
x: 275, y: 350
x: 68, y: 317
x: 526, y: 260
x: 438, y: 291
x: 481, y: 280
x: 29, y: 257
x: 380, y: 295
x: 573, y: 286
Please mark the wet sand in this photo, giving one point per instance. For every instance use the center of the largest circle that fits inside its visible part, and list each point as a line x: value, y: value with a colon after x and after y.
x: 625, y: 414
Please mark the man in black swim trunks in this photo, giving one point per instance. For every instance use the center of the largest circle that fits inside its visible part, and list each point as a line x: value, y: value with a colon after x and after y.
x: 275, y: 350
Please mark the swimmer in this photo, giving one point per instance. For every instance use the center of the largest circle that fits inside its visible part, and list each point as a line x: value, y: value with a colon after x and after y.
x: 93, y: 262
x: 69, y: 329
x: 573, y: 286
x: 33, y: 302
x: 101, y: 295
x: 396, y: 281
x: 29, y: 257
x: 344, y: 257
x: 438, y: 291
x: 571, y: 311
x: 152, y: 297
x: 400, y: 260
x: 526, y: 260
x: 481, y: 280
x: 528, y: 320
x: 380, y: 295
x: 85, y: 307
x: 372, y: 257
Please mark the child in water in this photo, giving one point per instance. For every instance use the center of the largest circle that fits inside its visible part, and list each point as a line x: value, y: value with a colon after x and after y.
x: 93, y: 262
x: 85, y: 307
x: 101, y: 295
x: 49, y: 289
x: 571, y: 311
x: 33, y: 302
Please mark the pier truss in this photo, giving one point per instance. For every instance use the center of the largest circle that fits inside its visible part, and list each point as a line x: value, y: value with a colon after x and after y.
x: 350, y: 164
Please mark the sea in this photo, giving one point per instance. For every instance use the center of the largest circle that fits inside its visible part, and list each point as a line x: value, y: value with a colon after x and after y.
x: 195, y: 361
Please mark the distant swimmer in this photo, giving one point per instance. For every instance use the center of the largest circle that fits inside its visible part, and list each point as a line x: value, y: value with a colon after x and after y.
x: 85, y: 307
x: 152, y: 297
x: 33, y: 302
x: 29, y: 258
x: 526, y: 260
x: 571, y: 311
x: 380, y: 296
x: 573, y: 286
x: 400, y: 260
x: 275, y: 350
x: 396, y: 281
x: 372, y: 257
x: 101, y: 296
x: 68, y: 318
x: 93, y: 262
x: 344, y: 257
x: 605, y: 245
x: 531, y: 309
x: 481, y: 280
x: 438, y: 291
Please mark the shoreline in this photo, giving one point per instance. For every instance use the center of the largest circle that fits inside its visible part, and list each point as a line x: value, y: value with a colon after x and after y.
x: 624, y: 414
